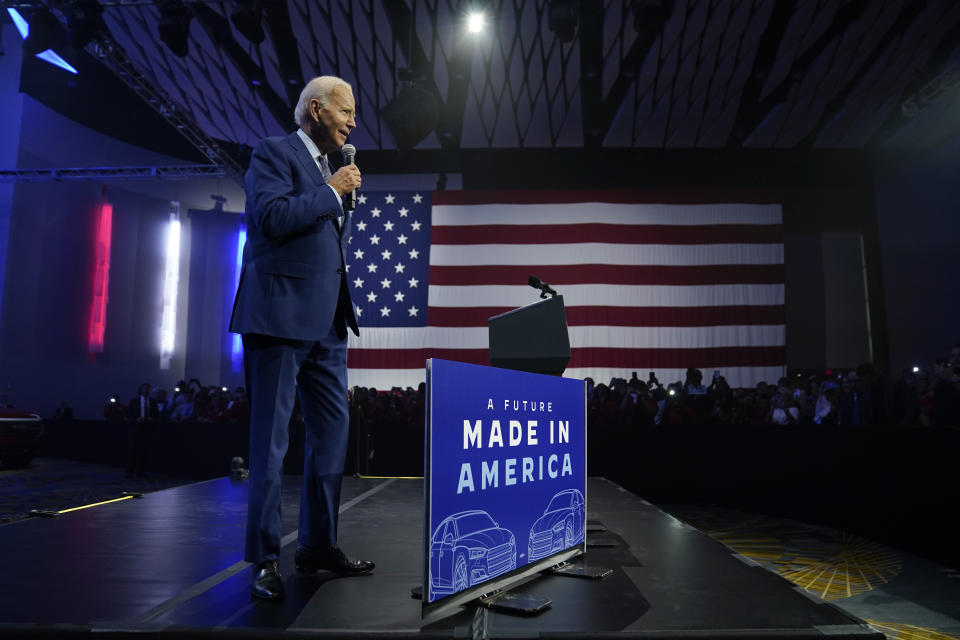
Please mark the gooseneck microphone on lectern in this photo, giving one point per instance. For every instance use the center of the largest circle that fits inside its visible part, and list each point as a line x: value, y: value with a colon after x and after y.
x: 349, y: 153
x: 544, y: 288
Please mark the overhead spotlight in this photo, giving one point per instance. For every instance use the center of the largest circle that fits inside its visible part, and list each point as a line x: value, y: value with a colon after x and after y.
x: 246, y: 17
x: 174, y: 26
x: 84, y: 20
x: 562, y: 17
x: 475, y: 22
x: 413, y: 113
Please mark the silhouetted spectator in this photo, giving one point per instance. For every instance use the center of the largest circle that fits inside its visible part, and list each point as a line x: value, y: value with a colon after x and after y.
x: 634, y: 407
x: 183, y: 406
x: 63, y: 412
x: 946, y: 392
x: 850, y: 401
x: 923, y: 406
x: 827, y: 403
x: 164, y: 406
x: 142, y: 413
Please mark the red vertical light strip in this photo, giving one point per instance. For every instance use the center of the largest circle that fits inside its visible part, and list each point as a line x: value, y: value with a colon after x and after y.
x: 101, y: 282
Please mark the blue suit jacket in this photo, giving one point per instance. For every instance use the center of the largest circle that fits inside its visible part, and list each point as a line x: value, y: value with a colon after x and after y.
x: 293, y: 269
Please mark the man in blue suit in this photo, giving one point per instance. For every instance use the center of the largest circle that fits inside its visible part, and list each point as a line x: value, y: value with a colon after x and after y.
x: 293, y: 309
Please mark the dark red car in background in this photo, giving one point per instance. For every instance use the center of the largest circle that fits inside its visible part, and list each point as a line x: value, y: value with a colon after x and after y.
x: 20, y: 434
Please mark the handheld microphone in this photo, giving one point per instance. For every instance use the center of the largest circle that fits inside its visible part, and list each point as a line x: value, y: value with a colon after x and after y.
x: 349, y: 153
x: 544, y: 288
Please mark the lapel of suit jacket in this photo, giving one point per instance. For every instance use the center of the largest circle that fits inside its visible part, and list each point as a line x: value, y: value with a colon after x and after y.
x: 309, y: 164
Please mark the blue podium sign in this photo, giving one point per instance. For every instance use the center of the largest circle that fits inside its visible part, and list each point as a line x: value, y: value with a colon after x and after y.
x: 505, y: 477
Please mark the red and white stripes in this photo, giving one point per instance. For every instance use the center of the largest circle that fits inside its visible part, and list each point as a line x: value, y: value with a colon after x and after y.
x: 647, y: 287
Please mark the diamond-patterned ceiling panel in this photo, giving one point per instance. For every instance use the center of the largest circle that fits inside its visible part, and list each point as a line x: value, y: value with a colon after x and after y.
x: 636, y: 73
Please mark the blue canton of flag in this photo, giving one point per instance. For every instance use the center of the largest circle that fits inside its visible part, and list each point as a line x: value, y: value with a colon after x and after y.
x: 388, y: 258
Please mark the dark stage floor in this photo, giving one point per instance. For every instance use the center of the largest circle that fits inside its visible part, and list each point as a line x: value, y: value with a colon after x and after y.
x: 169, y: 564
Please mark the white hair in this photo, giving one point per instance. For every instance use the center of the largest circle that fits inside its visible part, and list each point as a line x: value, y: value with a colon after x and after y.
x: 320, y: 89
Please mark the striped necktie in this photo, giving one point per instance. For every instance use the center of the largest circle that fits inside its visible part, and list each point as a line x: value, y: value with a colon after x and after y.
x: 325, y: 172
x: 324, y: 167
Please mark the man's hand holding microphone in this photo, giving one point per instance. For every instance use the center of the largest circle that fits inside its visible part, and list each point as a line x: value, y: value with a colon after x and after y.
x: 346, y: 180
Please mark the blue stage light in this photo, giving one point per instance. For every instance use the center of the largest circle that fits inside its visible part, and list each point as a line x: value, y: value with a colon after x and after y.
x: 51, y: 56
x: 19, y: 21
x: 236, y: 351
x: 47, y: 23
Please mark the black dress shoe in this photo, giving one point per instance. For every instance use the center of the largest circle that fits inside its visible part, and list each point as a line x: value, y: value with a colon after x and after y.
x: 332, y: 559
x: 267, y: 583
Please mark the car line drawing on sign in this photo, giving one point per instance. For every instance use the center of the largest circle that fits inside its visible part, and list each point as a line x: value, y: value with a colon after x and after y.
x: 467, y: 548
x: 561, y: 526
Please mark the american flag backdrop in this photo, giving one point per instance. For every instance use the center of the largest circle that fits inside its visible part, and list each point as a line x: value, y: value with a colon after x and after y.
x: 647, y: 287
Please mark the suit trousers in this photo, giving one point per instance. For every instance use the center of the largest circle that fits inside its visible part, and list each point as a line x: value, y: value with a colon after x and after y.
x: 276, y: 369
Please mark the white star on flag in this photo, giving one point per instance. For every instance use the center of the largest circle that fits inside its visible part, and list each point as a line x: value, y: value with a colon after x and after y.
x: 375, y: 248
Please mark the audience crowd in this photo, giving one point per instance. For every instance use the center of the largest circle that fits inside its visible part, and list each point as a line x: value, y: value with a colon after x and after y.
x: 394, y: 407
x: 861, y: 396
x: 191, y: 401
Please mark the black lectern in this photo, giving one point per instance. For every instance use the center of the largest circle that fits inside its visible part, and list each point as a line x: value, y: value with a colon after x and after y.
x: 532, y: 338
